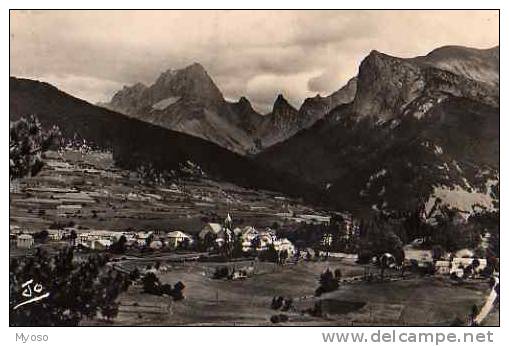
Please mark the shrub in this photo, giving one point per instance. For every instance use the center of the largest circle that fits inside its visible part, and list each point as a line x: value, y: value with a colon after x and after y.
x: 221, y: 272
x: 279, y: 318
x: 328, y: 283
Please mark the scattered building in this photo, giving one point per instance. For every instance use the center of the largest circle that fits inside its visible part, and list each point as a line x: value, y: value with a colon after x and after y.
x: 284, y: 244
x: 460, y: 263
x: 55, y: 234
x: 442, y: 267
x: 100, y: 244
x: 213, y: 228
x: 422, y: 257
x: 156, y: 244
x: 177, y: 238
x: 25, y: 241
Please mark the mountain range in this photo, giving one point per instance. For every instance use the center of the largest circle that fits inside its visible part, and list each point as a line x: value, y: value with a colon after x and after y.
x: 419, y: 131
x: 136, y: 143
x: 400, y: 135
x: 188, y: 101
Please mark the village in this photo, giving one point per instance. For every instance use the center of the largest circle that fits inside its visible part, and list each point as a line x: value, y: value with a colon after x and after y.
x: 215, y: 239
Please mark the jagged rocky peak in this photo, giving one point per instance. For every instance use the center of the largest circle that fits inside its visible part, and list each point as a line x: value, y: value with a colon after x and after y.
x: 192, y: 82
x: 282, y: 105
x: 244, y: 106
x: 243, y: 101
x: 130, y: 90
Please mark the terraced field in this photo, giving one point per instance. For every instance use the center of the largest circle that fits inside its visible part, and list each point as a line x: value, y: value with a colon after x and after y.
x: 90, y: 191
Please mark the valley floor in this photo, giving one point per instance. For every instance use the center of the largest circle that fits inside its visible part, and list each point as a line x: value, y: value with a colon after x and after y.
x: 420, y: 301
x: 89, y: 191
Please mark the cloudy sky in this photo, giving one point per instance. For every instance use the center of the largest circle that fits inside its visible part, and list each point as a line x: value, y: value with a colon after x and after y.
x: 91, y: 54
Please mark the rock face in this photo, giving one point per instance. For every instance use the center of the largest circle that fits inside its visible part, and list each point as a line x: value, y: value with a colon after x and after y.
x: 415, y: 127
x: 481, y: 65
x: 389, y: 86
x: 188, y: 101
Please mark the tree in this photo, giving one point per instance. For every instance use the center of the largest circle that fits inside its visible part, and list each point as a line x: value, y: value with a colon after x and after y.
x: 337, y: 274
x: 238, y: 247
x: 134, y: 274
x: 328, y: 283
x: 151, y: 284
x: 41, y: 236
x: 378, y: 238
x: 178, y: 291
x: 270, y: 255
x: 283, y: 256
x: 437, y: 252
x: 27, y: 142
x: 209, y: 241
x: 119, y: 247
x: 73, y: 237
x: 76, y: 289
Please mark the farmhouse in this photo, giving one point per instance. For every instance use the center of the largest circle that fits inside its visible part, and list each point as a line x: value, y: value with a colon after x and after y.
x: 442, y: 267
x: 213, y: 228
x: 458, y: 264
x: 100, y: 244
x: 156, y: 244
x: 55, y: 234
x: 25, y: 241
x: 422, y: 257
x: 284, y: 244
x: 177, y: 238
x: 265, y: 238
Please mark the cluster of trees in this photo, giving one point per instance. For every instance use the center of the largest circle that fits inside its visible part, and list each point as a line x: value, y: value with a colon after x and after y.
x: 152, y: 285
x: 119, y: 246
x: 379, y: 236
x: 27, y: 143
x: 448, y: 231
x: 77, y: 289
x: 272, y: 255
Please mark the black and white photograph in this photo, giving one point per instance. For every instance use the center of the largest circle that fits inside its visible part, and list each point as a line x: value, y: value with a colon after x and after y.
x: 277, y: 168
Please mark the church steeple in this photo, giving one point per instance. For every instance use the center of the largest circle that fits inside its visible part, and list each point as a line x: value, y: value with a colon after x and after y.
x: 228, y: 222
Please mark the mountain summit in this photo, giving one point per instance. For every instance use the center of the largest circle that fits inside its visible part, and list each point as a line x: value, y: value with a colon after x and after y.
x: 187, y: 100
x: 418, y: 131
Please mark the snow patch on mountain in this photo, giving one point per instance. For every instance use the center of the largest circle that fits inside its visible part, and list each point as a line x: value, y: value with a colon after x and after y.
x: 464, y: 200
x: 165, y: 103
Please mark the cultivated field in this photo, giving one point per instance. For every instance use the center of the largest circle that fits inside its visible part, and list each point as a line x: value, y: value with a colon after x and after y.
x: 412, y: 301
x: 88, y: 190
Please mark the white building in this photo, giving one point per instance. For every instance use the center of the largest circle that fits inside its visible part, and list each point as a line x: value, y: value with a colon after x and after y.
x: 422, y: 257
x: 55, y: 234
x: 284, y: 244
x: 176, y: 238
x: 156, y: 244
x: 25, y: 241
x: 100, y: 244
x: 458, y: 264
x: 247, y: 235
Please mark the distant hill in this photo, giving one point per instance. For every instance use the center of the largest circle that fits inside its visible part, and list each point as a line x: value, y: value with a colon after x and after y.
x: 416, y: 129
x: 135, y: 142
